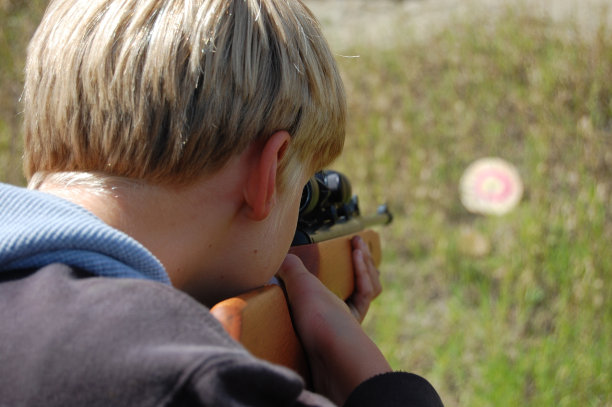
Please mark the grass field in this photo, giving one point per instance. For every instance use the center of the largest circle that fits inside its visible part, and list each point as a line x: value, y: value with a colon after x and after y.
x: 18, y: 20
x: 495, y: 311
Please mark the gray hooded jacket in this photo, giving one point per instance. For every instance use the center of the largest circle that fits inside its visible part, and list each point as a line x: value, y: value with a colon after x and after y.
x: 88, y: 318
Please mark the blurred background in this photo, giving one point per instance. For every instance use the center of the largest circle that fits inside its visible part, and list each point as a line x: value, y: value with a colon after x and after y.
x: 494, y: 310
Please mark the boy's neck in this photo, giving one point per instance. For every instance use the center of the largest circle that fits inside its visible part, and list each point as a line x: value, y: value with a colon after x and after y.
x: 180, y: 226
x: 217, y: 237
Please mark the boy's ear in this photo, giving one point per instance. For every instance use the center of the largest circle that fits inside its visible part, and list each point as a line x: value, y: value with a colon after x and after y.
x: 260, y: 191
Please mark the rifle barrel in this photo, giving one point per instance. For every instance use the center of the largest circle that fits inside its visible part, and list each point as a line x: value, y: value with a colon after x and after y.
x: 350, y: 226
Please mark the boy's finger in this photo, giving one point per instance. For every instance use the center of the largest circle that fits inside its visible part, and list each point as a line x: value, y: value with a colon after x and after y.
x: 297, y: 279
x: 291, y: 264
x: 360, y: 244
x: 359, y: 301
x: 365, y: 264
x: 364, y: 284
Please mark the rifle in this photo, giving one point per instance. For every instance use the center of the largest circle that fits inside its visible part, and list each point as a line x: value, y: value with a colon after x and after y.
x: 329, y: 217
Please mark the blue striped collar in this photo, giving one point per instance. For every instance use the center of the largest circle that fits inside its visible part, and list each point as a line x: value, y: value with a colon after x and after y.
x: 37, y: 229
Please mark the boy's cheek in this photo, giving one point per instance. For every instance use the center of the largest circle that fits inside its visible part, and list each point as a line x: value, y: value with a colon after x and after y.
x: 254, y: 268
x: 259, y: 253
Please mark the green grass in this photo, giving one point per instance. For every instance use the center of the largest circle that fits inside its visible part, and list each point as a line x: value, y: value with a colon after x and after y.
x: 528, y: 319
x: 18, y: 20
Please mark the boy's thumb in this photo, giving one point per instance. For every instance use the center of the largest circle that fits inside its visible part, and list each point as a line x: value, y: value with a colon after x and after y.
x: 291, y: 267
x: 297, y: 280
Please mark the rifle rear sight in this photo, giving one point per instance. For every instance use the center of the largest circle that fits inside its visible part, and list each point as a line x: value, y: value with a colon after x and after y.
x: 328, y: 210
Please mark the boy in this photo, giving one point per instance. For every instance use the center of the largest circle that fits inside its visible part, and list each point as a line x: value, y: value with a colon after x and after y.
x: 166, y: 144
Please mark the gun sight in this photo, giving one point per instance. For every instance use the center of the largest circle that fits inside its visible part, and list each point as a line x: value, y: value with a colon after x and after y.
x: 326, y: 199
x: 328, y: 209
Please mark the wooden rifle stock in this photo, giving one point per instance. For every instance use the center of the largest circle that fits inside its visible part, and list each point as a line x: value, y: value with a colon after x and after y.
x: 260, y: 319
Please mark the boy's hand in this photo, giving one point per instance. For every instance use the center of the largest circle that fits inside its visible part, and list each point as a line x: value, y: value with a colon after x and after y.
x: 367, y: 279
x: 341, y: 355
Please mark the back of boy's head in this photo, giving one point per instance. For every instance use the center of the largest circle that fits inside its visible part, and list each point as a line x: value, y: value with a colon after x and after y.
x: 168, y: 90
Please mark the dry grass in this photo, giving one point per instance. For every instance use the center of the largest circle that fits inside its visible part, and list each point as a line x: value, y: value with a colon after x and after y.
x: 18, y: 20
x: 527, y: 321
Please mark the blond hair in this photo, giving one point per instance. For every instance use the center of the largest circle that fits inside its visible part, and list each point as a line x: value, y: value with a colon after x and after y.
x: 168, y: 90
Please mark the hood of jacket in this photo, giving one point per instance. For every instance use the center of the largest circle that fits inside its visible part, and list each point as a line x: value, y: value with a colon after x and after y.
x: 38, y: 229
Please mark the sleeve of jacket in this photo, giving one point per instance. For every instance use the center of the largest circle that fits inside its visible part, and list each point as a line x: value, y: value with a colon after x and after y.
x: 394, y: 390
